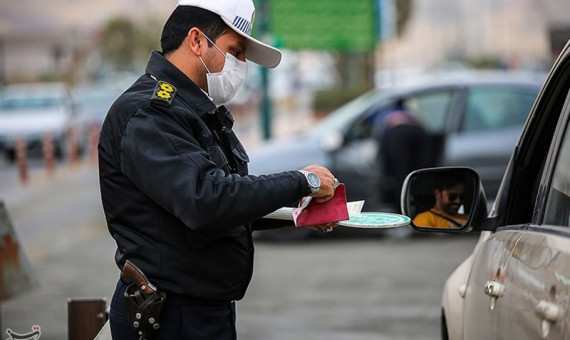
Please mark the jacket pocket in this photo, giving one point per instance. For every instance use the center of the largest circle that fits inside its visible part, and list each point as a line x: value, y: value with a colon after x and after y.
x: 240, y: 155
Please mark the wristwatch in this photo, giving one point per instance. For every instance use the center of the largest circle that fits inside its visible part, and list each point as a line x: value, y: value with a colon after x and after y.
x: 313, y: 180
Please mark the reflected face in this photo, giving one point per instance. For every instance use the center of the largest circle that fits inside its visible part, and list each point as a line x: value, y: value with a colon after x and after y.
x: 450, y: 199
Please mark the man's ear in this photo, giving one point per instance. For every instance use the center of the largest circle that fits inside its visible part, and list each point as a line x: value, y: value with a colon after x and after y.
x: 436, y: 193
x: 194, y: 40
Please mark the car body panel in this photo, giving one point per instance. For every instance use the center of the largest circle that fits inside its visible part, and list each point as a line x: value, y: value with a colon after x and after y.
x: 531, y: 268
x: 287, y: 154
x: 537, y: 268
x: 356, y: 167
x: 455, y: 289
x: 489, y: 265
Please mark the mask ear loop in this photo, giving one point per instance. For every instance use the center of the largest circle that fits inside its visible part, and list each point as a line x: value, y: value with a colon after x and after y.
x: 203, y: 63
x: 205, y: 36
x: 200, y: 57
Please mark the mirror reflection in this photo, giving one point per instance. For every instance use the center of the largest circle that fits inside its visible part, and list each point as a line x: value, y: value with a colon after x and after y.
x: 441, y: 199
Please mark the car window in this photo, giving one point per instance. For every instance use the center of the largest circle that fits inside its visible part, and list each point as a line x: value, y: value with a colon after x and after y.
x: 369, y: 125
x: 558, y: 201
x: 347, y: 113
x: 431, y: 109
x: 495, y: 108
x: 30, y: 103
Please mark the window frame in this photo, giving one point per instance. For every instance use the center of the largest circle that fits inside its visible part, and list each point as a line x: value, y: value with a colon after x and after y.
x: 557, y: 147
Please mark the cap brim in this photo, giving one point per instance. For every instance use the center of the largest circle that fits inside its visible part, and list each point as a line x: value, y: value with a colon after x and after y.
x: 257, y: 51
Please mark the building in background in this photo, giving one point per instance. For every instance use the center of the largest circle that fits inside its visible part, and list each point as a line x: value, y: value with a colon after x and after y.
x: 444, y: 34
x: 40, y: 40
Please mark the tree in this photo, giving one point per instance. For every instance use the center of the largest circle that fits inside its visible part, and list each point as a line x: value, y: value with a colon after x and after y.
x: 125, y: 44
x: 117, y: 43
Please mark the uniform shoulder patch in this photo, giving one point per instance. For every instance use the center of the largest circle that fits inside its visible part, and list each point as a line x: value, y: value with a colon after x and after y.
x: 164, y: 92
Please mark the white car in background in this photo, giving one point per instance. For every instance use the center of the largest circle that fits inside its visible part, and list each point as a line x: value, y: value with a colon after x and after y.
x: 30, y: 111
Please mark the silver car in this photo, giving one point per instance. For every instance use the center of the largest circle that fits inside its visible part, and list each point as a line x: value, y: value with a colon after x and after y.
x: 516, y: 283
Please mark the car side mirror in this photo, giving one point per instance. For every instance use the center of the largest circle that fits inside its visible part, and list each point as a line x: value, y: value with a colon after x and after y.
x: 443, y: 199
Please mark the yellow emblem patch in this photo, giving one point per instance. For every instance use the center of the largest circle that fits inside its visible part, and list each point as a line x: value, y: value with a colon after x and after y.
x: 164, y: 92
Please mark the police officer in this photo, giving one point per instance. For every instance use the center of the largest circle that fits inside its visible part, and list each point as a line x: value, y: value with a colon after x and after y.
x: 174, y: 184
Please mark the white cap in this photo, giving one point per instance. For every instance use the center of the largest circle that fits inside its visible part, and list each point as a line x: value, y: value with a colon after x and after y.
x: 239, y: 15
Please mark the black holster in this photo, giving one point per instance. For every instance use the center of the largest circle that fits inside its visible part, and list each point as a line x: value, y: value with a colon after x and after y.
x: 144, y: 310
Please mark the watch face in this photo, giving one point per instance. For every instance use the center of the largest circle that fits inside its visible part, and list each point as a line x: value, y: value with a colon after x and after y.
x: 314, y: 180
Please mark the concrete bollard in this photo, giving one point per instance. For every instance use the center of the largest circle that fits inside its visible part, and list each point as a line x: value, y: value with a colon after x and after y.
x: 94, y: 130
x: 48, y: 151
x: 72, y: 147
x: 22, y: 159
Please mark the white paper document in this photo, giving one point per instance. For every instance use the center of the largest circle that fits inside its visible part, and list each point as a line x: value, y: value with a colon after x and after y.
x: 286, y: 213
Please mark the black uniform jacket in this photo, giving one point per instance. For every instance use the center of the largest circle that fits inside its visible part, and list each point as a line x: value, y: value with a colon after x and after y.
x: 175, y: 190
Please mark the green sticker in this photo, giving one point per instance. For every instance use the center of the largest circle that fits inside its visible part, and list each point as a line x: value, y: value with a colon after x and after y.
x: 376, y: 220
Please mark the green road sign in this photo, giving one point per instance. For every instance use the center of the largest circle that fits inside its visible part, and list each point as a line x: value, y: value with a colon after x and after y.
x: 338, y: 25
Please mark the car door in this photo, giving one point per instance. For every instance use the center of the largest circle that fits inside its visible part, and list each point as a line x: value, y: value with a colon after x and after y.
x: 489, y: 268
x: 519, y: 284
x: 356, y: 162
x: 537, y: 282
x: 490, y: 117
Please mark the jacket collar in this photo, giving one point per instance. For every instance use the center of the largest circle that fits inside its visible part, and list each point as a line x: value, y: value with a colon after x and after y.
x: 160, y: 68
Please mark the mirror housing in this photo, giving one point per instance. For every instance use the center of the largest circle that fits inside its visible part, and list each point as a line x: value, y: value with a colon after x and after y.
x: 448, y: 199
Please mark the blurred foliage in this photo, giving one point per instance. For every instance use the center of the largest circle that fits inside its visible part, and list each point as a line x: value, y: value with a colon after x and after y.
x: 125, y: 43
x: 325, y: 101
x: 486, y: 62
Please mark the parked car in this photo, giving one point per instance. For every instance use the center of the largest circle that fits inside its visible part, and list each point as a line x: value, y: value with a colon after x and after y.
x: 472, y: 118
x: 516, y: 283
x: 96, y: 100
x: 29, y: 111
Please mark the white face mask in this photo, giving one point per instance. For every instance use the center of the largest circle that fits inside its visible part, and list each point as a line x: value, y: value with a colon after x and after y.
x: 223, y: 85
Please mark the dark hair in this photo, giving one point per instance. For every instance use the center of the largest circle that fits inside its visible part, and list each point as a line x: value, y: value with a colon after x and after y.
x: 449, y: 181
x: 182, y: 19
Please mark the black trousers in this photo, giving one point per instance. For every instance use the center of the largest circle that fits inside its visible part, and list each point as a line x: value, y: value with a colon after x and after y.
x: 177, y: 322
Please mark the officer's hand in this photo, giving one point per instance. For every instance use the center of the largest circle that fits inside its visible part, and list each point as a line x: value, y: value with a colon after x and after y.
x: 326, y: 227
x: 328, y: 182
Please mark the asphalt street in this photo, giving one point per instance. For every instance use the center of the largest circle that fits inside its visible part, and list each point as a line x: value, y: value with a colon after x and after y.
x: 355, y: 287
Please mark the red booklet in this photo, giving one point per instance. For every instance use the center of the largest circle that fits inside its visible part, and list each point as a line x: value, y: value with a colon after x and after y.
x: 314, y: 213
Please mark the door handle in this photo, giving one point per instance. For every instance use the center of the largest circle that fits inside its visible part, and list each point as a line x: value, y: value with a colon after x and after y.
x: 549, y: 311
x: 495, y: 290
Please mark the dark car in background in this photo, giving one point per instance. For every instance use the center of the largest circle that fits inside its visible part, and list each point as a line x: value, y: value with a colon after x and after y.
x: 472, y: 118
